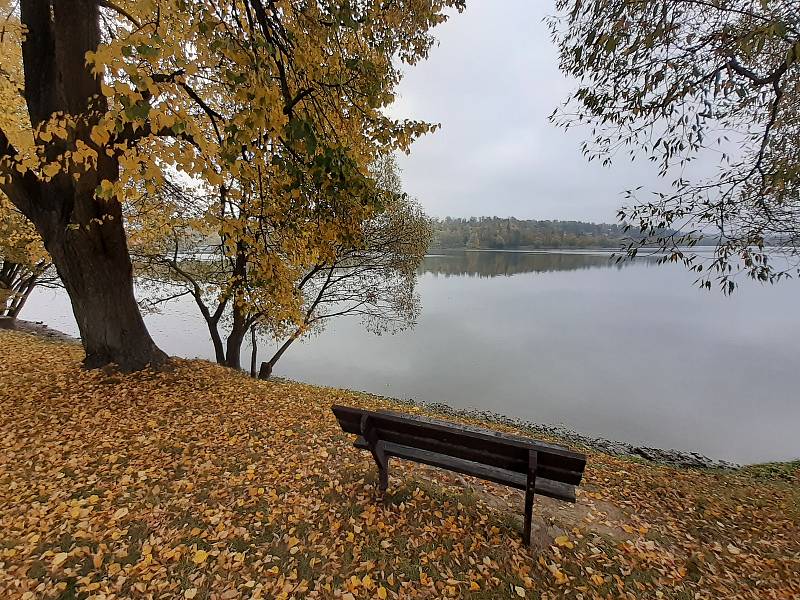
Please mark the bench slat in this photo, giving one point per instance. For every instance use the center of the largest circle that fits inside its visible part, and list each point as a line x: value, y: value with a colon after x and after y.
x: 517, y: 463
x: 544, y: 486
x: 352, y: 417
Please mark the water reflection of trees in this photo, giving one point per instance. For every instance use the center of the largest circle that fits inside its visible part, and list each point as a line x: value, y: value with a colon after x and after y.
x: 497, y: 264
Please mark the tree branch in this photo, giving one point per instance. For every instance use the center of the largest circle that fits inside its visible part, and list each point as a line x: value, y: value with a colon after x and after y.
x: 756, y: 79
x: 118, y: 9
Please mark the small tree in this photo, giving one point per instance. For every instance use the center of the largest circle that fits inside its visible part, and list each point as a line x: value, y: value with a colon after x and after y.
x: 371, y: 274
x: 672, y: 80
x: 24, y: 263
x: 375, y: 281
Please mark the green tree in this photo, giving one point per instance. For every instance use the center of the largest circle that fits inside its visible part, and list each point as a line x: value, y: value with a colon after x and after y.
x: 673, y: 80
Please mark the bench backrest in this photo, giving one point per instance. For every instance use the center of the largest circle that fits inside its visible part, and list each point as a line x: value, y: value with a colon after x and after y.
x: 483, y: 446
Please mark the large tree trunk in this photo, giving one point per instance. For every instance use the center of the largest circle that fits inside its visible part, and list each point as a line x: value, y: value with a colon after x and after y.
x: 84, y: 235
x: 97, y: 274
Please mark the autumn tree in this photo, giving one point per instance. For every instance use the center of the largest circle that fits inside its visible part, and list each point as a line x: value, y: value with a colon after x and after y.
x: 239, y: 250
x: 119, y: 93
x: 676, y: 80
x: 221, y: 249
x: 371, y: 275
x: 373, y: 279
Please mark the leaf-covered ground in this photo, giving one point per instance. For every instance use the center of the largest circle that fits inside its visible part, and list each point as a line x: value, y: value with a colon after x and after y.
x: 199, y: 483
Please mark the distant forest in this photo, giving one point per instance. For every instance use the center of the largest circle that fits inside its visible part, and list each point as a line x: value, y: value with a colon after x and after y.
x: 496, y: 233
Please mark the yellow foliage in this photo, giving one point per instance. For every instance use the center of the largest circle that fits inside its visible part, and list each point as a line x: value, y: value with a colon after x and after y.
x: 19, y: 240
x: 120, y: 482
x: 281, y: 105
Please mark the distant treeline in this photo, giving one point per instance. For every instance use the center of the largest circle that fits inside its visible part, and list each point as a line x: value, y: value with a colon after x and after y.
x: 496, y: 233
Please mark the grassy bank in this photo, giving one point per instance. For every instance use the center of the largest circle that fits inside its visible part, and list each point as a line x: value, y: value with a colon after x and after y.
x: 199, y: 482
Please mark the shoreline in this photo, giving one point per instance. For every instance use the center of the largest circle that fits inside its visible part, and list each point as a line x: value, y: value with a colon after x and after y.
x: 665, y: 456
x: 38, y: 328
x: 662, y: 456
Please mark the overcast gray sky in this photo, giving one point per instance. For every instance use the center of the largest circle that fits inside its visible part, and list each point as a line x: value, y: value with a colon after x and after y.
x: 492, y: 81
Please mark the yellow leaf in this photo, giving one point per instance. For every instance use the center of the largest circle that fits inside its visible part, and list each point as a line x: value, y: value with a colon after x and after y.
x: 190, y: 593
x: 120, y: 513
x: 474, y: 586
x: 598, y: 579
x: 51, y: 169
x: 200, y: 557
x: 382, y: 593
x: 520, y: 591
x: 98, y: 136
x: 557, y: 573
x: 59, y: 559
x: 563, y: 541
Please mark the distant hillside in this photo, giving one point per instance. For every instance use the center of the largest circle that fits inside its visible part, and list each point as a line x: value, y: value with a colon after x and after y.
x: 496, y: 233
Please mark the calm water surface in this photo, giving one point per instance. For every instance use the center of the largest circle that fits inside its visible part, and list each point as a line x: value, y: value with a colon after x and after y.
x: 633, y: 353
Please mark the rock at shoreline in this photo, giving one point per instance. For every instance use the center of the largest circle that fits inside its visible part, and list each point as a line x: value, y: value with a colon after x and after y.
x: 36, y: 328
x: 677, y: 458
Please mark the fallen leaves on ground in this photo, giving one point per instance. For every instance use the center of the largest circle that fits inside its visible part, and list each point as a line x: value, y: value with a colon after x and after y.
x: 198, y: 482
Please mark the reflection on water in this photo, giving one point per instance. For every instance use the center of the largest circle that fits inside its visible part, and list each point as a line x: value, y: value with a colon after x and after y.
x: 631, y: 352
x: 486, y: 263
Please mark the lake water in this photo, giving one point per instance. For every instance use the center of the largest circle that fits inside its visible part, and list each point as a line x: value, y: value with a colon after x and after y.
x: 633, y: 353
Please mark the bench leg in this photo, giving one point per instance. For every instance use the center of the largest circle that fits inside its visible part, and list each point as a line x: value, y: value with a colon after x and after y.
x: 526, y: 535
x: 382, y: 461
x: 383, y: 468
x: 530, y: 490
x: 376, y: 449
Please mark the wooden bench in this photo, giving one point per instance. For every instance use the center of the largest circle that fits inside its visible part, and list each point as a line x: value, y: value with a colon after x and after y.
x: 515, y: 461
